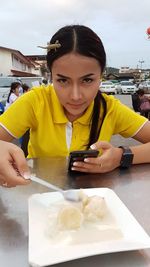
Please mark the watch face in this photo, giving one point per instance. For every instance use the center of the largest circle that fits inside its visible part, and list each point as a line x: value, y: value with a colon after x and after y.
x: 127, y: 158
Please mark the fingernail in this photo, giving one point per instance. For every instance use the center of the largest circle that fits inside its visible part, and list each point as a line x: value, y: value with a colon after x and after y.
x: 26, y: 175
x: 92, y: 146
x: 75, y: 164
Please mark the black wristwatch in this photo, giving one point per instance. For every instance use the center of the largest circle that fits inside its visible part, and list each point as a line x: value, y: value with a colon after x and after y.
x: 127, y: 157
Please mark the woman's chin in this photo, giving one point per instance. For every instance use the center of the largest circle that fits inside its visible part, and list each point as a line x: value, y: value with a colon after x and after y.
x: 73, y: 115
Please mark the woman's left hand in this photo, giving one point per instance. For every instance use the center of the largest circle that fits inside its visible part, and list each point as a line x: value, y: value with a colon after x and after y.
x: 107, y: 161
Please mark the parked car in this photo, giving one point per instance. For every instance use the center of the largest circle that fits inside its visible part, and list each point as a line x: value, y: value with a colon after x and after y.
x: 127, y: 87
x: 108, y: 88
x: 145, y: 85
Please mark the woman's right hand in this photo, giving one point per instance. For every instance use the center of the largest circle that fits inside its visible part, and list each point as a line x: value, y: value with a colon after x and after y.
x: 13, y: 165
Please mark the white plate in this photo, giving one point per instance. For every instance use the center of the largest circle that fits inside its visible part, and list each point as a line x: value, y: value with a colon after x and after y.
x: 124, y: 233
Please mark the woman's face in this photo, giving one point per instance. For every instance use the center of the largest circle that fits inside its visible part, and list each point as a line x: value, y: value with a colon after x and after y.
x: 16, y: 91
x: 76, y: 80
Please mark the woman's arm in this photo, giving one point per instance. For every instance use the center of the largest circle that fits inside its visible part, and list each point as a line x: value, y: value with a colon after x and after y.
x: 143, y: 135
x: 13, y: 165
x: 5, y: 136
x: 142, y: 152
x: 111, y: 156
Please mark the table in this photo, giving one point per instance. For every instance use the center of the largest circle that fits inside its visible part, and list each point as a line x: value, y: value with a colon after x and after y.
x: 132, y: 186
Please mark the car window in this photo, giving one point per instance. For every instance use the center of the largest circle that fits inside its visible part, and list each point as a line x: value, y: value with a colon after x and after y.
x: 107, y: 83
x: 127, y: 83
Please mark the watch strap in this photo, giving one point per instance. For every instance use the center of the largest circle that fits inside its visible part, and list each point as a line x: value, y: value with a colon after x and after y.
x: 127, y: 157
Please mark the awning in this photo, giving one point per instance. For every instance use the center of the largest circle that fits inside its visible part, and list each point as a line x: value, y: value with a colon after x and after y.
x: 22, y: 74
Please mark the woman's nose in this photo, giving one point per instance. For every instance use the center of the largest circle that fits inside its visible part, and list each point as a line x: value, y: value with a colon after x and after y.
x: 76, y: 92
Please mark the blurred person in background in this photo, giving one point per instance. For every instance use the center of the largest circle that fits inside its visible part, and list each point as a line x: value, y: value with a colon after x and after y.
x: 13, y: 94
x: 144, y: 106
x: 1, y: 108
x: 25, y: 87
x: 44, y: 82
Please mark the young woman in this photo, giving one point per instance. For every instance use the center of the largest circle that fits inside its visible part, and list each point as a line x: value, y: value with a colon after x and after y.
x: 13, y: 94
x: 72, y: 113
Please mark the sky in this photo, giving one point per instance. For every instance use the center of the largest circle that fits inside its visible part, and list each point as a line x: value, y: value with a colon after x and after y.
x: 121, y: 25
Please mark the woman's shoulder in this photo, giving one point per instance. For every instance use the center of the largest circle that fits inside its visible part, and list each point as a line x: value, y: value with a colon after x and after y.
x: 38, y: 92
x: 41, y: 88
x: 111, y: 100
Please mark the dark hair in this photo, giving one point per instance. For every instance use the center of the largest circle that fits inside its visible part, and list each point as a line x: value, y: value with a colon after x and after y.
x: 140, y: 92
x: 13, y: 87
x: 84, y: 41
x: 45, y: 81
x: 25, y: 87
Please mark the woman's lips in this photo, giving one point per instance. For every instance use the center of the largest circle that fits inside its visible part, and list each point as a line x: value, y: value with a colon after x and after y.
x: 76, y: 106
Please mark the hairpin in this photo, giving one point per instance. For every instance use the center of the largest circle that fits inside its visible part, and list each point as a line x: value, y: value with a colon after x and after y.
x: 51, y: 46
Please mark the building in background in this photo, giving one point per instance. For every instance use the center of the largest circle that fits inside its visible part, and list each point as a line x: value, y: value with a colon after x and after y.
x: 41, y: 64
x: 124, y: 70
x: 128, y: 74
x: 14, y: 63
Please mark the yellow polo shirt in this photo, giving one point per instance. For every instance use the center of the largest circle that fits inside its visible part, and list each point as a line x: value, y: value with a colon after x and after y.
x: 40, y: 111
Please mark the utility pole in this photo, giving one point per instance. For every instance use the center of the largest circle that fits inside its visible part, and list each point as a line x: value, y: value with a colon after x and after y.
x: 141, y: 62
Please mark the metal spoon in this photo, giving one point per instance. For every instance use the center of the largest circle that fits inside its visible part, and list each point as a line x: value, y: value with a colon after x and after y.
x: 70, y: 195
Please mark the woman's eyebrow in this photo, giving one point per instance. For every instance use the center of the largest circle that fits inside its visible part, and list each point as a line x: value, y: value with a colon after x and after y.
x: 66, y: 77
x: 87, y: 75
x: 62, y: 76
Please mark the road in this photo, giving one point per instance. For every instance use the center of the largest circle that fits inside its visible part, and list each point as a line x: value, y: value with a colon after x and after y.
x: 125, y: 99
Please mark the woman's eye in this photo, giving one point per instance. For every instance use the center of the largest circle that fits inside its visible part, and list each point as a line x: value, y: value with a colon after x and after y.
x: 87, y: 80
x: 62, y: 80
